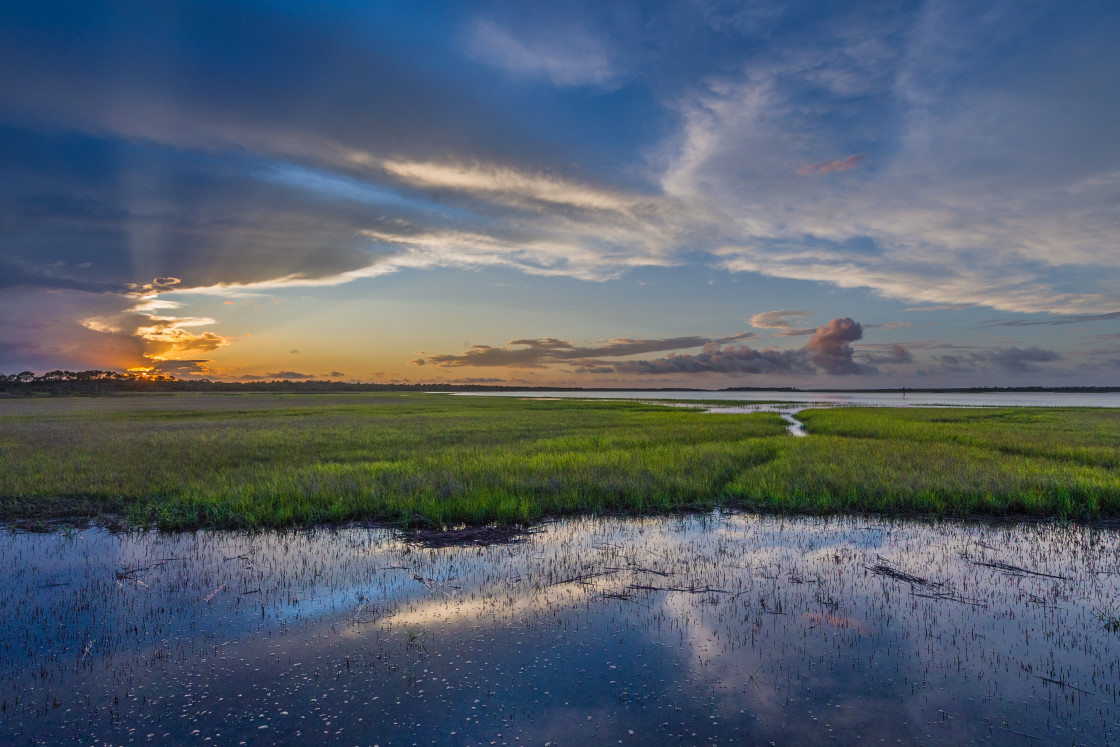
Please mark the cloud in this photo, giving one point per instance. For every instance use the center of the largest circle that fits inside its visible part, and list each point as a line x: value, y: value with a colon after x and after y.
x: 179, y: 368
x: 1011, y: 360
x: 124, y: 173
x: 166, y: 336
x: 943, y: 307
x: 825, y: 167
x: 567, y: 57
x: 157, y: 336
x: 476, y: 380
x: 779, y: 320
x: 1018, y: 360
x: 722, y: 359
x: 543, y: 352
x: 980, y: 195
x: 288, y: 375
x: 15, y: 273
x: 775, y: 319
x: 830, y: 347
x: 1059, y: 321
x: 828, y: 351
x: 894, y: 354
x: 518, y: 187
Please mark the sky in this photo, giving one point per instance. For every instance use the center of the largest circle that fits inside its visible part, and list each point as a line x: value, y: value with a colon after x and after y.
x: 603, y: 194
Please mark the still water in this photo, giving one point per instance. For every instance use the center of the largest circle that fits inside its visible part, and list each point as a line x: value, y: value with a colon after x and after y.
x: 874, y: 399
x: 718, y: 628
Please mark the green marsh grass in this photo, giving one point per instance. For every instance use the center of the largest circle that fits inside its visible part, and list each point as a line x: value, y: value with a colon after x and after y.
x: 257, y: 460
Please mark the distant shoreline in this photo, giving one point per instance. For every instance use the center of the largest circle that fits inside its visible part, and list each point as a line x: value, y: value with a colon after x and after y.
x: 109, y: 382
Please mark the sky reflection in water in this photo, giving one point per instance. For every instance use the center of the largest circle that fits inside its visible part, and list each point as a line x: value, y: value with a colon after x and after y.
x: 722, y: 628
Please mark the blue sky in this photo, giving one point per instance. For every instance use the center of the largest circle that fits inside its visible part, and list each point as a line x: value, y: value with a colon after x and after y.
x: 699, y: 194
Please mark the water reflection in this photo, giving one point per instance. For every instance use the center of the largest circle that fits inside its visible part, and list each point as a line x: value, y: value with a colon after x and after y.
x: 722, y: 628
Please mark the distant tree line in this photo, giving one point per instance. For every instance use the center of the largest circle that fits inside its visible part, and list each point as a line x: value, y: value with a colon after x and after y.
x: 94, y: 382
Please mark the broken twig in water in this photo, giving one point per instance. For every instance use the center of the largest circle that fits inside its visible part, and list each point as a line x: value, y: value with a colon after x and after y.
x: 129, y: 571
x: 582, y: 577
x: 686, y: 590
x: 1061, y: 684
x: 951, y: 596
x: 882, y: 569
x: 1008, y: 568
x: 639, y: 569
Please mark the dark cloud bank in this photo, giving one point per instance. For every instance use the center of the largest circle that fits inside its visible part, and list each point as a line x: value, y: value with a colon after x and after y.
x: 828, y: 351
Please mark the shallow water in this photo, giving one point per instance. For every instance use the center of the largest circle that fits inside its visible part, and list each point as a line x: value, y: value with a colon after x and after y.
x: 874, y: 399
x: 720, y: 628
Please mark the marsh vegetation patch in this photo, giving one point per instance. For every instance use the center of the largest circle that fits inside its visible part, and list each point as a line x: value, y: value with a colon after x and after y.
x: 253, y: 461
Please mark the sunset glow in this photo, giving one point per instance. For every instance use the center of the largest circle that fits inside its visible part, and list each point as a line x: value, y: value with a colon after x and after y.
x: 600, y: 195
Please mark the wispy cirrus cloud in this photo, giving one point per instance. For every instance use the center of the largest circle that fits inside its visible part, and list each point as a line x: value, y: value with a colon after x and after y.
x: 565, y: 55
x: 977, y: 221
x: 779, y: 320
x: 827, y: 167
x: 1055, y: 322
x: 943, y: 307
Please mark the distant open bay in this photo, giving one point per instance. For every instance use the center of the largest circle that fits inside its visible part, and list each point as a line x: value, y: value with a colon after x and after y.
x: 872, y: 399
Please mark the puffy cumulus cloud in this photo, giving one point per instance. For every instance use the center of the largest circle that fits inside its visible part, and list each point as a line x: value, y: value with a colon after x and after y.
x: 830, y: 347
x: 825, y: 167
